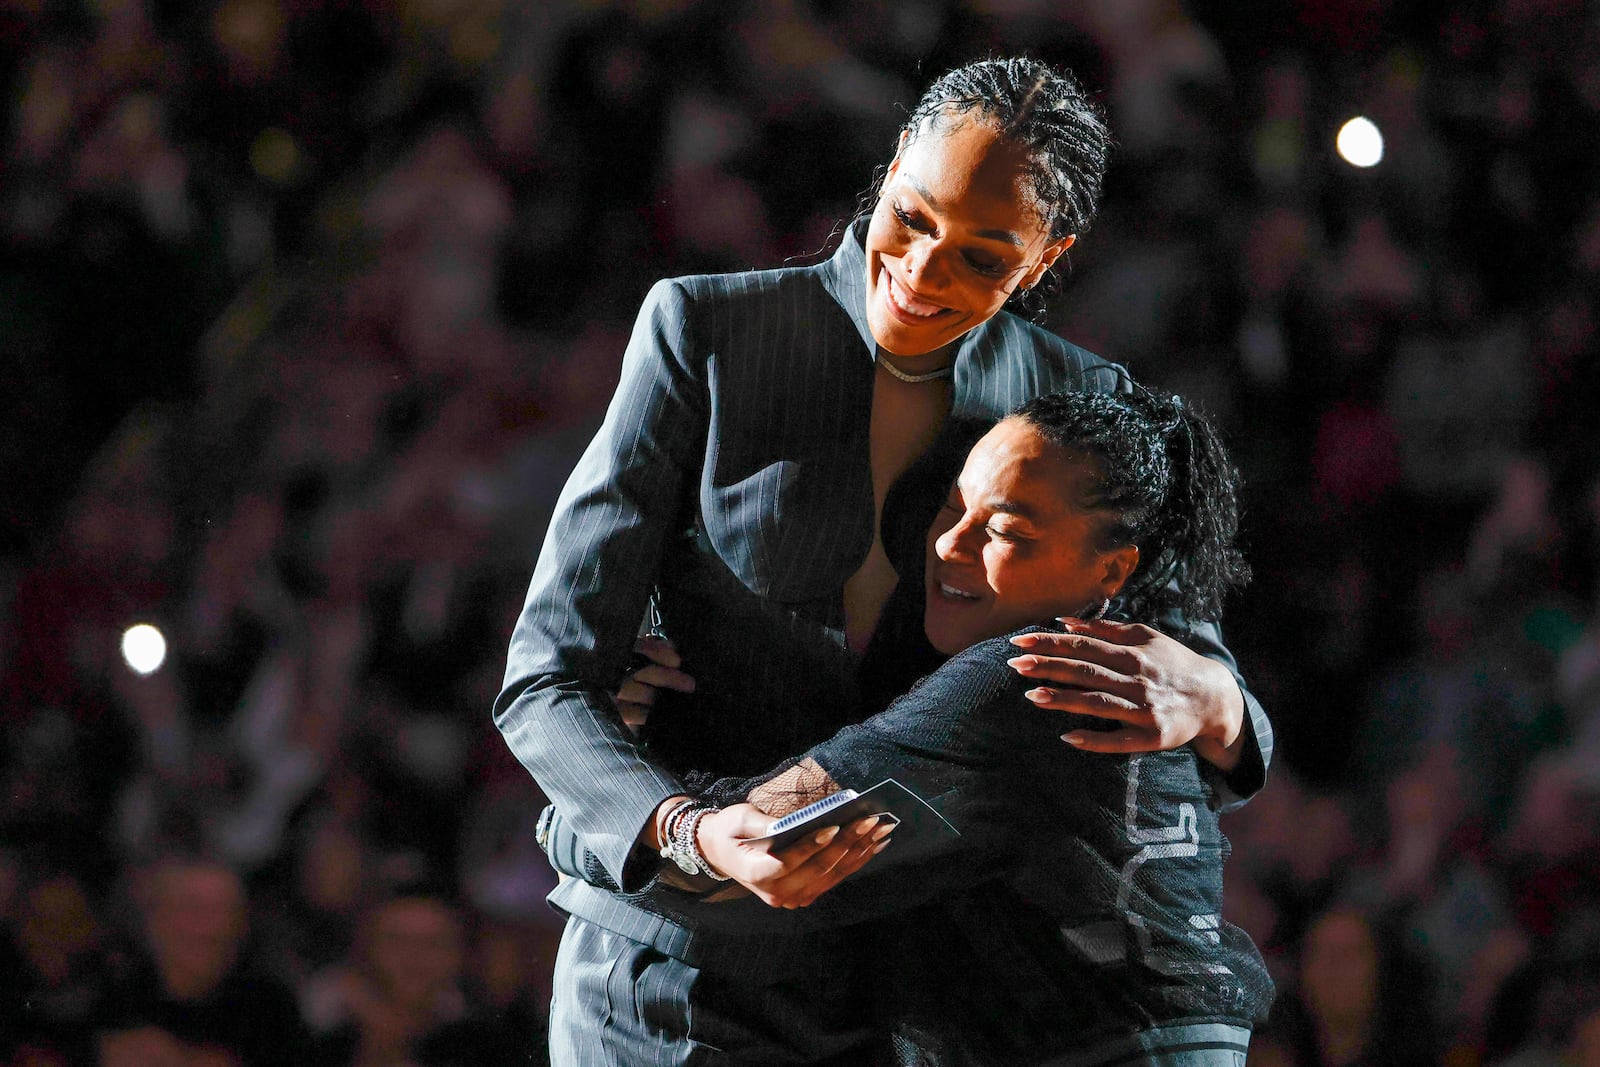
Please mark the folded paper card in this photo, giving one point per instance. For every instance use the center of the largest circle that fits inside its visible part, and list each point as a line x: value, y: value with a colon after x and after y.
x: 888, y: 798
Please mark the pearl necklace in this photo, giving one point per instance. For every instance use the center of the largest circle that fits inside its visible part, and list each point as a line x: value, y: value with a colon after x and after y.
x: 913, y: 379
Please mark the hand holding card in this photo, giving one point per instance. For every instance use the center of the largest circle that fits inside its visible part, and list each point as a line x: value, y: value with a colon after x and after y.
x: 888, y: 799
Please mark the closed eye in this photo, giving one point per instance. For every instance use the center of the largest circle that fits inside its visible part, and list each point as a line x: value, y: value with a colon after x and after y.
x: 978, y: 264
x: 988, y: 268
x: 910, y: 221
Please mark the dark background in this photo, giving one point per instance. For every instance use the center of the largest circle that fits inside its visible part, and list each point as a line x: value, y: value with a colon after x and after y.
x: 307, y: 307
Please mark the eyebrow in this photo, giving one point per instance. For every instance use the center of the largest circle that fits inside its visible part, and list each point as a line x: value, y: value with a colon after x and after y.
x: 1007, y: 507
x: 1012, y: 507
x: 1006, y: 236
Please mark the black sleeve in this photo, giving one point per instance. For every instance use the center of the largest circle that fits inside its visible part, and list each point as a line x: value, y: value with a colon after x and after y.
x: 963, y: 739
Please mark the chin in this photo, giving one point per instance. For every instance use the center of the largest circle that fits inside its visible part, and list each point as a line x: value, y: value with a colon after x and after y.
x: 897, y: 340
x: 900, y: 338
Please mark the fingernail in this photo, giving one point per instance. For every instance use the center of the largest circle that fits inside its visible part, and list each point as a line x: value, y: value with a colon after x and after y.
x: 881, y: 846
x: 1038, y: 696
x: 883, y: 831
x: 824, y: 836
x: 1069, y: 623
x: 1020, y: 663
x: 1024, y: 640
x: 1072, y: 739
x: 866, y: 825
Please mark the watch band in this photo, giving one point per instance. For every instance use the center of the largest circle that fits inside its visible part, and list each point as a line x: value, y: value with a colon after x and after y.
x: 679, y: 843
x: 692, y: 833
x: 683, y: 839
x: 670, y: 849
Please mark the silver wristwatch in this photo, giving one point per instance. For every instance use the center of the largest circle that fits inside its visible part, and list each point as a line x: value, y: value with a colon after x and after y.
x: 679, y: 843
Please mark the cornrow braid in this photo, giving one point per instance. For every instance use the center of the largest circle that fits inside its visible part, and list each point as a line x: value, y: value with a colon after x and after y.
x: 1165, y: 483
x: 1042, y: 109
x: 1025, y: 108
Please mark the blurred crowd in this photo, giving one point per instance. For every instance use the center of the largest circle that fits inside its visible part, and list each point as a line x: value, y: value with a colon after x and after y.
x: 308, y: 307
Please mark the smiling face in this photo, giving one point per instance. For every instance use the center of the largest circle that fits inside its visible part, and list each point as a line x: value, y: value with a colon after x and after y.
x: 955, y: 233
x: 1012, y: 546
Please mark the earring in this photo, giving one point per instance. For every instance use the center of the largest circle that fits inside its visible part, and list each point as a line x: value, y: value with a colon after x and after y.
x: 1097, y: 612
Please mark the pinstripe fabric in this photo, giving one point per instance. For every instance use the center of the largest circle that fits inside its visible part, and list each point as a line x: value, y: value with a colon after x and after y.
x: 617, y: 1003
x: 596, y: 969
x: 731, y: 472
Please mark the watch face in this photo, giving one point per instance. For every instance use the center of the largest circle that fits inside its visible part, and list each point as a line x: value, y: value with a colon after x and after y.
x: 686, y: 864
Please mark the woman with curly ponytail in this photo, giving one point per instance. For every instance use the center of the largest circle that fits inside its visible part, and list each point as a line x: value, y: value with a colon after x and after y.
x: 1074, y: 916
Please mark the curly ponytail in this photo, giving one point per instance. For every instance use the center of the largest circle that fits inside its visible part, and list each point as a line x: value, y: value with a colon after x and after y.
x: 1166, y: 484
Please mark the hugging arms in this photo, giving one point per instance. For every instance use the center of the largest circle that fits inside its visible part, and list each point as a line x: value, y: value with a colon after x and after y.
x: 1098, y: 877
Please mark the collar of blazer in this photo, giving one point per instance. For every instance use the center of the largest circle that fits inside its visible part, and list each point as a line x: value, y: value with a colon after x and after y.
x: 845, y: 275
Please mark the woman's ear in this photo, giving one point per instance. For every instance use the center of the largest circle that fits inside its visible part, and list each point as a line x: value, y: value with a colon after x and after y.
x: 1116, y: 567
x: 1047, y: 259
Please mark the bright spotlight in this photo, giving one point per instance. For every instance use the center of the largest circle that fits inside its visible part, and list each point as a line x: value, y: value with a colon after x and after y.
x: 143, y: 648
x: 1360, y: 144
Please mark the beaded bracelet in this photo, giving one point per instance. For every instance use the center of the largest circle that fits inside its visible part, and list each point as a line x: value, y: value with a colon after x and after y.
x: 679, y: 840
x: 670, y: 849
x: 691, y: 833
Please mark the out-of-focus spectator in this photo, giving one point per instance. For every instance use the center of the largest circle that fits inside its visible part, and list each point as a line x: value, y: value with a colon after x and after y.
x: 1459, y: 395
x: 400, y: 997
x: 1358, y: 1001
x: 311, y: 910
x: 191, y: 996
x: 1550, y: 848
x: 1545, y: 1015
x: 53, y: 969
x: 509, y: 975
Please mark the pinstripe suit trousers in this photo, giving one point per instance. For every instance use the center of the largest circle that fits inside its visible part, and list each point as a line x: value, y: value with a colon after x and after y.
x: 619, y: 1003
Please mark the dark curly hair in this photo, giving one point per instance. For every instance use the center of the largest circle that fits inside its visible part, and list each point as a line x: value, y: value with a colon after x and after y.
x: 1044, y: 110
x: 1166, y: 485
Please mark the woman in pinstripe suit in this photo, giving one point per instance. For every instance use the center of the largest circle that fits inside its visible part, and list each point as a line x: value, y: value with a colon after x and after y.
x: 740, y: 475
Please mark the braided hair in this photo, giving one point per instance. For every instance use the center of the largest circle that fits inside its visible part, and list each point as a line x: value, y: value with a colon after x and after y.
x: 1045, y: 111
x: 1166, y: 485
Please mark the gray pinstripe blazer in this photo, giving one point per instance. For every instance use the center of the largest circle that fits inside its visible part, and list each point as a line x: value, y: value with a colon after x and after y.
x: 731, y: 475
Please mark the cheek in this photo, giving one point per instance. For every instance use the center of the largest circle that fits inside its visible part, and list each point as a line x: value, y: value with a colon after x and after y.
x: 983, y: 298
x: 1006, y: 571
x: 883, y: 233
x: 1033, y: 580
x: 998, y: 291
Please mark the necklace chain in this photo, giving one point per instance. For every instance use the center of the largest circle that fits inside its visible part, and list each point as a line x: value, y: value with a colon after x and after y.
x: 914, y: 379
